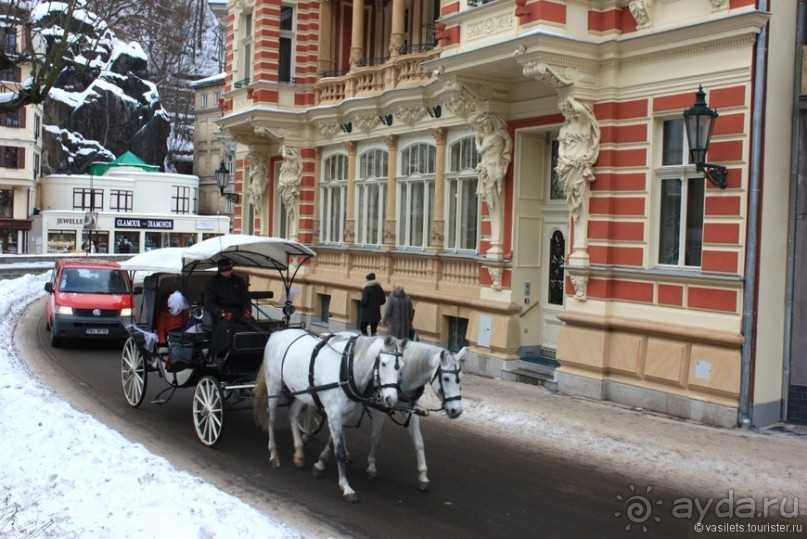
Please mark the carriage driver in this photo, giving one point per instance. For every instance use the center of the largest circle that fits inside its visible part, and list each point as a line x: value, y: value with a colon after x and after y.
x: 227, y: 299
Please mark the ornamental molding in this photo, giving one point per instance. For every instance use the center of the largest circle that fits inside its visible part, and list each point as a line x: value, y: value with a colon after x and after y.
x: 488, y: 26
x: 495, y: 277
x: 553, y: 76
x: 366, y: 123
x: 327, y: 129
x: 640, y: 10
x: 410, y: 114
x: 270, y: 133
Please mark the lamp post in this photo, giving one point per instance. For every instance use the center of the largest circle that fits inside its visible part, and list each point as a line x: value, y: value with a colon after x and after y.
x: 700, y: 121
x: 223, y: 180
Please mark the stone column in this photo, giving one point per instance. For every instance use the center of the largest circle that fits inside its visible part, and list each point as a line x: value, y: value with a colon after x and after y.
x: 357, y: 37
x: 439, y: 223
x: 392, y: 191
x: 315, y: 212
x: 350, y: 204
x: 326, y: 62
x: 396, y: 38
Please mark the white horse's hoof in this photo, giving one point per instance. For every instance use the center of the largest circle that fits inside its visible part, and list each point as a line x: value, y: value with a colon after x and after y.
x: 316, y: 472
x: 299, y: 462
x: 372, y: 475
x: 351, y: 498
x: 423, y: 486
x: 274, y: 463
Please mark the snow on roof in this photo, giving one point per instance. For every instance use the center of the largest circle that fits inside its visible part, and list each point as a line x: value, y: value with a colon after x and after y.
x: 212, y: 79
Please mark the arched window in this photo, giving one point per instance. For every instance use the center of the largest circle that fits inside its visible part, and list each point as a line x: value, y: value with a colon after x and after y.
x: 416, y: 196
x: 462, y: 210
x: 371, y: 193
x: 333, y: 192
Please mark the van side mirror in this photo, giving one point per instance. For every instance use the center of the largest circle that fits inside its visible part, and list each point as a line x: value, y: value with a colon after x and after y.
x: 49, y: 287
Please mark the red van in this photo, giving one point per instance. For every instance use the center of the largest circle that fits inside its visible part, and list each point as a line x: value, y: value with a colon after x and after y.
x: 88, y: 299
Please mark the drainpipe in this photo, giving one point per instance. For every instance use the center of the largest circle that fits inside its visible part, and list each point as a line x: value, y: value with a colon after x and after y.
x: 801, y: 31
x: 752, y: 245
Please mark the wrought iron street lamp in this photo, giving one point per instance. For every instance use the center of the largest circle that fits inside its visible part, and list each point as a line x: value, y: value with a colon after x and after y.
x: 700, y: 120
x: 223, y: 180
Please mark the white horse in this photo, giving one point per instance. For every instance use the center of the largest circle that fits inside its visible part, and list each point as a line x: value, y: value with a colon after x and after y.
x: 422, y: 364
x: 337, y: 373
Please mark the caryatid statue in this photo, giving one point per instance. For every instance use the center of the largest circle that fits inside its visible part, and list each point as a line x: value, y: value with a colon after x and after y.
x: 288, y: 184
x: 494, y: 145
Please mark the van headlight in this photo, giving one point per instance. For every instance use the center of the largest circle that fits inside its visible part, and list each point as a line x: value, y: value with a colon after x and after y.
x: 62, y: 309
x: 126, y: 312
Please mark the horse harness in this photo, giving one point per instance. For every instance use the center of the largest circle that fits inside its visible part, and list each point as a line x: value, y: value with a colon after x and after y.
x: 346, y: 380
x: 415, y: 396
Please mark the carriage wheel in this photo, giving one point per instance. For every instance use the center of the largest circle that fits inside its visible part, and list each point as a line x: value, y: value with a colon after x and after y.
x: 310, y: 422
x: 133, y: 373
x: 208, y: 411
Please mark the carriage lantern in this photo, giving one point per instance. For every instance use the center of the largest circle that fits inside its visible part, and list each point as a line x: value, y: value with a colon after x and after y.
x: 700, y: 120
x: 223, y: 180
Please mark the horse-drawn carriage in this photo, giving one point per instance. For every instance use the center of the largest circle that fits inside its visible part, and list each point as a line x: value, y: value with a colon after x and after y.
x: 178, y: 347
x: 272, y: 362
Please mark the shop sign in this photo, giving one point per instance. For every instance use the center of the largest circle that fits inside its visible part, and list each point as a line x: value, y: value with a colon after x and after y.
x: 205, y: 224
x: 129, y: 222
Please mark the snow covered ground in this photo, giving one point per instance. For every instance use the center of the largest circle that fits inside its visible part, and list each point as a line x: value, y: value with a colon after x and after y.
x: 65, y: 475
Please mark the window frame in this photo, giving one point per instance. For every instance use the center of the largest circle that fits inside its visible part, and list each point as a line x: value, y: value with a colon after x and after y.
x: 115, y: 197
x: 458, y: 176
x: 674, y: 166
x: 333, y: 198
x: 371, y: 184
x: 285, y: 66
x: 415, y: 181
x: 180, y: 199
x: 89, y: 199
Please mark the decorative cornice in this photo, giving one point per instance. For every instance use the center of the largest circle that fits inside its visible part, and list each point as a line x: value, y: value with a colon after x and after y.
x: 410, y: 115
x: 327, y: 129
x: 268, y: 132
x: 366, y: 123
x: 553, y: 76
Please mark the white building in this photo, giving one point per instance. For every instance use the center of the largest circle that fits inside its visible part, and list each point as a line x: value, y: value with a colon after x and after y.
x: 121, y: 207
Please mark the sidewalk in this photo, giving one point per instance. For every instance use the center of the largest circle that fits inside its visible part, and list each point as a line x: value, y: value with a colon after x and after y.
x: 662, y: 450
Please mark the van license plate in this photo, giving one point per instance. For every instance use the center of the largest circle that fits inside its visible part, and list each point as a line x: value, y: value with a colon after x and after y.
x: 97, y: 331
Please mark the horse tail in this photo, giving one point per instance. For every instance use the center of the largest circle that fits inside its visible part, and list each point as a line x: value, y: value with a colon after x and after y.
x: 259, y: 403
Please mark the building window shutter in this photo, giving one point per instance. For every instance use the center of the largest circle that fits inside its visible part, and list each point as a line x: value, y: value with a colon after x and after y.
x: 23, y: 113
x: 20, y: 157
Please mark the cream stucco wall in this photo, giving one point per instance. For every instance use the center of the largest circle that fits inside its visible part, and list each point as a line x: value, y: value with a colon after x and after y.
x: 775, y: 191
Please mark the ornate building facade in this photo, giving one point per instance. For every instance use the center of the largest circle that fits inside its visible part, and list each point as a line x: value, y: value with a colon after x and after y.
x: 522, y: 169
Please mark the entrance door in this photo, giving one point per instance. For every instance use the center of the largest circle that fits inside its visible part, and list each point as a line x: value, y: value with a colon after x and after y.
x: 553, y: 253
x: 556, y: 234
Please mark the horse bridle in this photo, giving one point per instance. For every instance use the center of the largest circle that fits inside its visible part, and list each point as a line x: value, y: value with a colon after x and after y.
x: 439, y: 375
x: 377, y: 372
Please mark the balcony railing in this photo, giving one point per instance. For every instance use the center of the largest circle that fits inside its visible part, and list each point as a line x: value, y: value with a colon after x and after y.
x: 403, y: 70
x: 377, y: 61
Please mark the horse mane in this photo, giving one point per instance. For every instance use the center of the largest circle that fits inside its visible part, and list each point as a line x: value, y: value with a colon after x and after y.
x: 419, y: 362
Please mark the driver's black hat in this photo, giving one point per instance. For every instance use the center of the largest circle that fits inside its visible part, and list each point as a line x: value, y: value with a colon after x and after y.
x: 225, y: 264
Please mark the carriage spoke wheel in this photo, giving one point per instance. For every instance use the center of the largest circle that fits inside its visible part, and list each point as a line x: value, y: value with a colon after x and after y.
x: 208, y: 411
x: 133, y: 373
x: 310, y: 422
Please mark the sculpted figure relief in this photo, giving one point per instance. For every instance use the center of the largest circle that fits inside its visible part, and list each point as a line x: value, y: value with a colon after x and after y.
x: 578, y: 151
x: 258, y: 180
x: 291, y: 173
x: 494, y: 146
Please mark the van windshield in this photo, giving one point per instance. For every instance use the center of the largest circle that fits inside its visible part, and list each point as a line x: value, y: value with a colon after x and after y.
x: 93, y: 281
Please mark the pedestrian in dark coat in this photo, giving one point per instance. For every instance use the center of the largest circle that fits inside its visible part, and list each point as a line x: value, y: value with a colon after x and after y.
x: 372, y: 298
x: 399, y: 314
